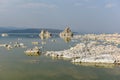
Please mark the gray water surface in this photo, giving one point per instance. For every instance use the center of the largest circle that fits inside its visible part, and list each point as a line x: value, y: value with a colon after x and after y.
x: 16, y: 65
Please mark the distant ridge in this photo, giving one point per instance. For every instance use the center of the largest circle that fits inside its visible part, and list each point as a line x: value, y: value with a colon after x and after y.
x: 6, y: 29
x: 33, y: 30
x: 28, y: 30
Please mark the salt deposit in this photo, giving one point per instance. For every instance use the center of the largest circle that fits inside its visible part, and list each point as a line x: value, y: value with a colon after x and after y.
x: 92, y: 49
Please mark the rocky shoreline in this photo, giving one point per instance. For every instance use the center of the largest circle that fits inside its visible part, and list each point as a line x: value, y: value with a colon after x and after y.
x: 92, y: 48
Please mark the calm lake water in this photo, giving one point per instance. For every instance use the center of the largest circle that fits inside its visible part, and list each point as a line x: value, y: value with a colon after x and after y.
x: 16, y: 65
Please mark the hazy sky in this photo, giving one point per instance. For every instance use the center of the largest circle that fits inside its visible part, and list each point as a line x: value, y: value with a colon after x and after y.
x: 80, y: 15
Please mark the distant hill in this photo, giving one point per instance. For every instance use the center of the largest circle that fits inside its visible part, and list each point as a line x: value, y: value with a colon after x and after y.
x: 6, y: 29
x: 33, y: 30
x: 27, y: 30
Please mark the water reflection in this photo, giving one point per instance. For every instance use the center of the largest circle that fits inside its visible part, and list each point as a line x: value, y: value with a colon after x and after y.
x: 44, y: 37
x: 32, y: 54
x: 66, y: 39
x: 35, y: 61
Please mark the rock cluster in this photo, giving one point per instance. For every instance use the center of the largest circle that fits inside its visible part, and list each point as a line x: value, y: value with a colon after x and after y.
x: 66, y: 33
x: 45, y: 34
x: 92, y: 49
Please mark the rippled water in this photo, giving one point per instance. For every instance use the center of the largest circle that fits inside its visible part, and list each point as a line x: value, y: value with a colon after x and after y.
x: 15, y: 65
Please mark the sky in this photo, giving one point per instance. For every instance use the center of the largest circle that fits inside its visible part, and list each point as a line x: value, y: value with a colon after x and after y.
x: 80, y: 15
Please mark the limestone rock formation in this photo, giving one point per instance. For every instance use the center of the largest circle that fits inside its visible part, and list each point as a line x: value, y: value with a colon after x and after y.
x: 66, y: 33
x: 45, y: 34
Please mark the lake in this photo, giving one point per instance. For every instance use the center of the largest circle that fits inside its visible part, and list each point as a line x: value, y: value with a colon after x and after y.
x: 16, y: 65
